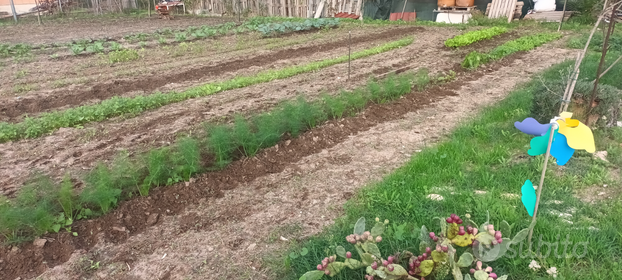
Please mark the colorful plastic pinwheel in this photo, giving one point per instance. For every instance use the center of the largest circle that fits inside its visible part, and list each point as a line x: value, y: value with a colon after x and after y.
x: 568, y: 135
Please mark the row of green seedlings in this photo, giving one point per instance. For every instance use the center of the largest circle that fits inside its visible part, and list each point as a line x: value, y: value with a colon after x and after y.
x: 43, y: 206
x: 108, y: 45
x: 195, y: 33
x: 15, y: 51
x: 271, y: 29
x: 526, y: 43
x: 475, y: 36
x: 192, y: 33
x: 32, y: 127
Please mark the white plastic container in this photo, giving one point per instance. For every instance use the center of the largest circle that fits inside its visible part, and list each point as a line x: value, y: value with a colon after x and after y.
x: 544, y: 5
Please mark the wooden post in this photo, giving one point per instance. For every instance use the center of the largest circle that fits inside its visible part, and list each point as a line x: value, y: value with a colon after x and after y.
x: 403, y: 9
x: 319, y: 10
x: 612, y: 22
x: 563, y: 15
x: 13, y: 11
x: 349, y: 52
x: 511, y: 9
x: 38, y: 12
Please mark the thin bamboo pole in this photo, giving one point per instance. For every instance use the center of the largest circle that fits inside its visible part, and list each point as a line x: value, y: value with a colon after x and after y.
x: 605, y: 72
x: 403, y: 9
x: 540, y: 187
x: 13, y: 11
x: 573, y: 81
x: 602, y: 62
x: 563, y: 15
x: 38, y: 12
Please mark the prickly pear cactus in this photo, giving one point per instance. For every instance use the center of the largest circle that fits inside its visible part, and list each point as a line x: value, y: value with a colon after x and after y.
x: 437, y: 257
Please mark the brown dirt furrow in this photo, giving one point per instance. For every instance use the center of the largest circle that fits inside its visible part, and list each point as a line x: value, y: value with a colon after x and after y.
x: 289, y: 191
x: 148, y: 83
x: 78, y: 73
x: 57, y: 30
x: 74, y: 150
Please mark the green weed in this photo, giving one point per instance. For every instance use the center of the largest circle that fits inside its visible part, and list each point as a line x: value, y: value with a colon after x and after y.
x: 21, y: 88
x: 20, y: 74
x: 123, y: 56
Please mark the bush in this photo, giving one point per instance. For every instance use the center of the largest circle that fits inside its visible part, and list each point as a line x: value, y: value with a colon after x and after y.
x: 547, y: 100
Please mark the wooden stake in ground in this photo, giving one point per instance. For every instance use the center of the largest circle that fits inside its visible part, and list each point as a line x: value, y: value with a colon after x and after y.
x: 563, y: 15
x: 13, y: 11
x: 38, y: 11
x: 349, y: 51
x: 403, y: 9
x: 541, y: 185
x: 602, y: 62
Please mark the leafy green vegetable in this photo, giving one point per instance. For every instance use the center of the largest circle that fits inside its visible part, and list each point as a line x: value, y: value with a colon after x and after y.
x: 475, y: 36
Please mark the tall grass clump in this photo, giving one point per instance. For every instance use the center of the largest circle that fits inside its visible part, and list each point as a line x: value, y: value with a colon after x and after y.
x: 67, y: 198
x: 247, y: 142
x: 187, y: 157
x: 159, y: 167
x: 100, y: 190
x: 221, y: 144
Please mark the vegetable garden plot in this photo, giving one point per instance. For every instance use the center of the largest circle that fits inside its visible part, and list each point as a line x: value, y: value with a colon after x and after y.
x: 97, y: 27
x: 77, y: 148
x: 14, y: 108
x: 179, y: 196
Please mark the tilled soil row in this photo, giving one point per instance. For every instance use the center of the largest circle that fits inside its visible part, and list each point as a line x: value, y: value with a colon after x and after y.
x: 56, y: 31
x: 133, y: 217
x: 77, y: 74
x: 147, y: 84
x: 75, y: 150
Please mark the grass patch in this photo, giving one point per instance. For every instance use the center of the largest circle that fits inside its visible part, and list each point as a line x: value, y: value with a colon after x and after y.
x: 123, y: 55
x: 487, y: 154
x: 48, y: 122
x: 21, y: 88
x: 525, y: 43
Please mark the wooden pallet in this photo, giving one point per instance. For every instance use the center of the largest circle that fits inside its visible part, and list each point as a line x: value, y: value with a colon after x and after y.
x: 554, y: 16
x: 456, y: 8
x: 517, y: 12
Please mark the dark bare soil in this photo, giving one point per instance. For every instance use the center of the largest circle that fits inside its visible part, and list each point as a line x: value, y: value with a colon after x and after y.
x: 15, y: 108
x: 134, y: 216
x: 62, y: 30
